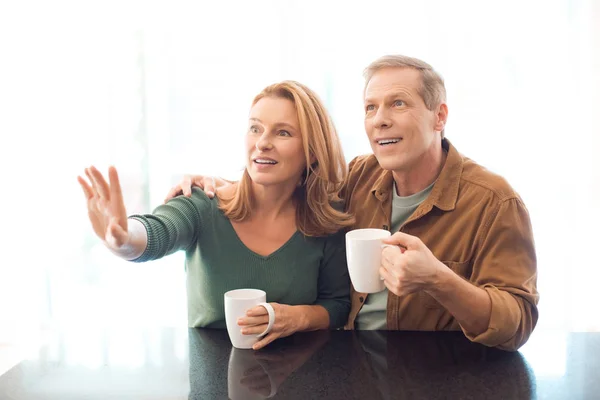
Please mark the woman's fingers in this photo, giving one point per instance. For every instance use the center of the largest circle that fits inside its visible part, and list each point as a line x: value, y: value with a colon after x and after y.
x: 117, y: 236
x: 251, y: 321
x: 115, y: 186
x: 254, y: 329
x: 87, y: 189
x: 99, y: 183
x: 116, y: 195
x: 265, y: 340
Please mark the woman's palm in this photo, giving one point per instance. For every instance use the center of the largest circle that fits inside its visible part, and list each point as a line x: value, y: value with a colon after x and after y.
x: 106, y: 208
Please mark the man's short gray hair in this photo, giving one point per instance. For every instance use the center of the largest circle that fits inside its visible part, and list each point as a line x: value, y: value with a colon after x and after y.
x: 432, y: 91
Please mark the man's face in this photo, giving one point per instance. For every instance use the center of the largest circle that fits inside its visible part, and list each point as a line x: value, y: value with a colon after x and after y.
x: 401, y: 130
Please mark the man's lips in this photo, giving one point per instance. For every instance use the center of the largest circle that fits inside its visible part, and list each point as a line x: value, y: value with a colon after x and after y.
x: 387, y: 140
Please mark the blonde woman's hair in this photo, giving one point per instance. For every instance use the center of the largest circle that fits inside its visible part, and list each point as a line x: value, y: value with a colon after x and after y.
x: 432, y: 90
x: 321, y: 181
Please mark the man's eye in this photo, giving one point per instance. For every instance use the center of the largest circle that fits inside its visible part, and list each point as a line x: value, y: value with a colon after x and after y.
x: 370, y: 107
x: 398, y: 103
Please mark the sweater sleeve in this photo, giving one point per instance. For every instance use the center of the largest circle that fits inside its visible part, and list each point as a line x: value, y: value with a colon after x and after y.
x: 506, y: 269
x: 334, y: 281
x: 174, y: 226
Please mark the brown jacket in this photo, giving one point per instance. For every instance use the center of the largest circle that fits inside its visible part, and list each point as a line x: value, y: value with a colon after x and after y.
x: 473, y: 222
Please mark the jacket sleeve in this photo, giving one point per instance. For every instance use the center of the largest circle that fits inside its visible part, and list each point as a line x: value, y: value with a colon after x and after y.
x: 173, y: 226
x: 506, y: 268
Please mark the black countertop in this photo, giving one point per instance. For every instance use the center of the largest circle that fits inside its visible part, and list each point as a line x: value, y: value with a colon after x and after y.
x: 164, y: 364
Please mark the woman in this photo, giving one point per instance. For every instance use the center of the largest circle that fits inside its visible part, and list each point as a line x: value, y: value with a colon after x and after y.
x: 274, y: 230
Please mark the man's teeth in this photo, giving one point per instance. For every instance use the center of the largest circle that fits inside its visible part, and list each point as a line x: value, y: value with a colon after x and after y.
x: 259, y: 161
x: 388, y: 141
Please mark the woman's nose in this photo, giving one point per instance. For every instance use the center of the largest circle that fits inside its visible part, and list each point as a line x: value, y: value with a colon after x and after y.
x: 263, y: 143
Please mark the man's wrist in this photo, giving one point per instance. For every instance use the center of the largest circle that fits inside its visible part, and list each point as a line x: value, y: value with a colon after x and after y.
x: 439, y: 280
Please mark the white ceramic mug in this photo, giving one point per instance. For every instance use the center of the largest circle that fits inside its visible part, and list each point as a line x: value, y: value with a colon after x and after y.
x: 363, y: 253
x: 237, y: 302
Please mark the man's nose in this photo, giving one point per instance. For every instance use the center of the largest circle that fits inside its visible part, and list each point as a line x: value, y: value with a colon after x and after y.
x: 382, y: 118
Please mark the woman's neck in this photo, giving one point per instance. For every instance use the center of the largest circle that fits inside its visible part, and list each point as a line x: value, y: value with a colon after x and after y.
x: 272, y: 202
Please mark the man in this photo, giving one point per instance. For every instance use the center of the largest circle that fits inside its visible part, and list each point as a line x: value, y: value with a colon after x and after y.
x: 464, y: 257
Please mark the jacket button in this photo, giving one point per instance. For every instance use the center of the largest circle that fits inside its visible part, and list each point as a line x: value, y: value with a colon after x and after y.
x: 361, y: 299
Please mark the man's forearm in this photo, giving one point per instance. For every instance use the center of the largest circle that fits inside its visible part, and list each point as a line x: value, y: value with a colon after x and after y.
x: 469, y: 304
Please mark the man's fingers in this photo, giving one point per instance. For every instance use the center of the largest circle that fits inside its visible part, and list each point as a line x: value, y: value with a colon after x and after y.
x: 174, y: 192
x: 186, y: 186
x: 390, y: 252
x: 208, y: 183
x: 385, y: 274
x: 403, y: 239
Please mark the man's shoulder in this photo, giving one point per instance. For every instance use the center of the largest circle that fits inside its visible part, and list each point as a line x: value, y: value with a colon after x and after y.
x: 481, y: 179
x: 364, y: 171
x: 362, y: 162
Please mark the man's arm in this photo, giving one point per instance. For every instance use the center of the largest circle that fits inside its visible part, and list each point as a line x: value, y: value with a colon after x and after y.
x: 469, y: 304
x: 498, y: 306
x: 506, y: 268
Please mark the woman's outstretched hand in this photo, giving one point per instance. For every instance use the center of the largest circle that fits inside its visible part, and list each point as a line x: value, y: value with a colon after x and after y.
x: 106, y: 208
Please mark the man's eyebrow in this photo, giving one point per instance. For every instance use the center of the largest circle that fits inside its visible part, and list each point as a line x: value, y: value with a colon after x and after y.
x: 399, y: 93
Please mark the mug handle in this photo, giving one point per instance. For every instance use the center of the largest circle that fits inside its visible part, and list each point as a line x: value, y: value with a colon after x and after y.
x: 271, y: 313
x: 383, y: 246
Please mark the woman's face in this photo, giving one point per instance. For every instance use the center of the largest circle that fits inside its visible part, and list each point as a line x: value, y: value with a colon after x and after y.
x: 274, y: 143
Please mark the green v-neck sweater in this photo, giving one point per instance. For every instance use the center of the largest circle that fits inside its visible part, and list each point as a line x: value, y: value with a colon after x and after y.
x: 305, y: 270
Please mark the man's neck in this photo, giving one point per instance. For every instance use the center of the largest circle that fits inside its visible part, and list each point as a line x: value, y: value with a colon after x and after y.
x: 421, y: 175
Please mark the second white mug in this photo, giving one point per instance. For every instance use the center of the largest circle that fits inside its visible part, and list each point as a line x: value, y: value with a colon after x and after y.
x: 363, y: 254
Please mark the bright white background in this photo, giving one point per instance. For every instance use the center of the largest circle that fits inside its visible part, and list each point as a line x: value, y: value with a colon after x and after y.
x: 160, y: 91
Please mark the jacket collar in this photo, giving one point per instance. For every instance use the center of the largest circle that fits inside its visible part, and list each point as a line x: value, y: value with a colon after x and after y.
x: 445, y: 191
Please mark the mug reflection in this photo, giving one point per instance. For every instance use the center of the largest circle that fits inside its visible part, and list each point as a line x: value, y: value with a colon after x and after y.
x: 219, y: 369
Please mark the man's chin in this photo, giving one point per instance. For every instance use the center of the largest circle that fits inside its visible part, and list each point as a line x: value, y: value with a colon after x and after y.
x: 389, y: 163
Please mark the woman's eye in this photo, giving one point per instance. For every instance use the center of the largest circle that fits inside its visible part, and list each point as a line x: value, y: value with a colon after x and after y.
x: 253, y: 129
x: 284, y: 133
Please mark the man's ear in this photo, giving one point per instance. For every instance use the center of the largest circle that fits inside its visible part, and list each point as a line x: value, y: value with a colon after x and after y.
x: 441, y: 117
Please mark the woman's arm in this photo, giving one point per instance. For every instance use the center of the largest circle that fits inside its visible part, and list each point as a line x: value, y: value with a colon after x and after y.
x: 136, y: 243
x: 334, y: 281
x: 173, y: 226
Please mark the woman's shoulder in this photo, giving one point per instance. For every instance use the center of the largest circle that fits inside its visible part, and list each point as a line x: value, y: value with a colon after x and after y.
x: 201, y: 199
